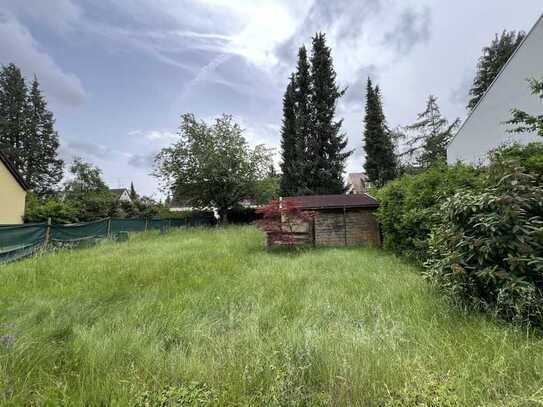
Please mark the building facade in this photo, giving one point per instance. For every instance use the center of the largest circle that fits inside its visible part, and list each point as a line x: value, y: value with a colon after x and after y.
x: 12, y: 193
x: 485, y: 129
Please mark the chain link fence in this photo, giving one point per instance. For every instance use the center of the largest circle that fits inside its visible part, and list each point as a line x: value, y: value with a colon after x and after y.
x: 19, y: 241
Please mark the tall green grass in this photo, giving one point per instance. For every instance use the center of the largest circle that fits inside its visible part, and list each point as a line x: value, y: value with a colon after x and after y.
x: 211, y: 315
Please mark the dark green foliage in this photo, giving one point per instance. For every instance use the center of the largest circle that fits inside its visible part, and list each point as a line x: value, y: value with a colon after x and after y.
x: 27, y: 131
x: 525, y: 122
x: 239, y: 215
x: 487, y: 250
x: 290, y: 163
x: 431, y: 134
x: 529, y: 156
x: 41, y: 209
x: 303, y: 123
x: 410, y: 206
x: 42, y: 168
x: 325, y: 150
x: 312, y: 143
x: 13, y: 114
x: 491, y: 62
x: 133, y: 193
x: 380, y: 164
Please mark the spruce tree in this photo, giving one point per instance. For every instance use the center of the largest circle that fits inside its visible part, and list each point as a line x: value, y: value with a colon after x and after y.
x: 431, y: 135
x: 325, y: 147
x: 13, y: 115
x: 42, y: 167
x: 27, y: 131
x: 380, y: 165
x: 304, y: 136
x: 289, y: 164
x: 133, y: 193
x: 491, y: 62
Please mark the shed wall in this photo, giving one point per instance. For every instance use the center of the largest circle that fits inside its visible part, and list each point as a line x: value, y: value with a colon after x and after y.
x: 355, y: 226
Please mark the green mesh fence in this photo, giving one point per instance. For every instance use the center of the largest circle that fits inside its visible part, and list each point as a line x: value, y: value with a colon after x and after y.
x: 18, y: 241
x: 127, y: 225
x: 75, y: 234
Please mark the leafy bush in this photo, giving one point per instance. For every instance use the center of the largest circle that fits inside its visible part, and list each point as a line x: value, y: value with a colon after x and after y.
x: 487, y: 250
x: 529, y: 156
x: 409, y: 206
x: 39, y: 210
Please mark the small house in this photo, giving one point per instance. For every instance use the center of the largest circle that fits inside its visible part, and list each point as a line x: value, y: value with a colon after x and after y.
x: 12, y: 192
x: 358, y: 183
x: 121, y: 194
x: 341, y: 220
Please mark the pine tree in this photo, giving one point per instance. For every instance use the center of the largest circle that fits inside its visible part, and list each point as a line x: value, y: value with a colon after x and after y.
x: 432, y: 134
x: 27, y: 131
x: 289, y: 164
x: 380, y: 165
x: 303, y: 110
x: 43, y: 168
x: 491, y: 62
x: 325, y: 148
x: 133, y: 193
x: 13, y: 115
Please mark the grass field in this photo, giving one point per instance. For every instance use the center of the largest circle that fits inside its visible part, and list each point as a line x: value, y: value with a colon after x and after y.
x: 209, y: 316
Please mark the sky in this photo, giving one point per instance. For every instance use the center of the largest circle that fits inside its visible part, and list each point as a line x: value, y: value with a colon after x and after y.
x: 118, y: 74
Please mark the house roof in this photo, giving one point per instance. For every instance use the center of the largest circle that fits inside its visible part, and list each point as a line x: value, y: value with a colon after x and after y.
x: 11, y: 168
x: 335, y: 201
x: 118, y: 191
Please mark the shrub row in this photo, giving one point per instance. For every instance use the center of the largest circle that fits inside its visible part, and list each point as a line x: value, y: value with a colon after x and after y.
x: 477, y: 231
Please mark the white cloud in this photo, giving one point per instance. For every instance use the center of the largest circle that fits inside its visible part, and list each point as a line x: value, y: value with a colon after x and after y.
x: 19, y: 47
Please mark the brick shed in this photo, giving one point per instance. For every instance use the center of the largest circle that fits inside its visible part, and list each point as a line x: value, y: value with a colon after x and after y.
x: 341, y: 220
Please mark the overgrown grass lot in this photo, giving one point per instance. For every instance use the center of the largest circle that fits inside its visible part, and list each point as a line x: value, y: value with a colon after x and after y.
x: 210, y: 317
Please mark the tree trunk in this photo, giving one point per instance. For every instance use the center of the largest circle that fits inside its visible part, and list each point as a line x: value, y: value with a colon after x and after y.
x: 223, y: 214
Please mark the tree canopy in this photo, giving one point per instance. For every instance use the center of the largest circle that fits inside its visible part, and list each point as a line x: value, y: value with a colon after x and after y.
x: 27, y: 131
x: 380, y: 164
x: 491, y: 62
x: 211, y: 165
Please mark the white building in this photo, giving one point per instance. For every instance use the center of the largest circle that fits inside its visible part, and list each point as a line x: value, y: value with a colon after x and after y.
x: 484, y: 129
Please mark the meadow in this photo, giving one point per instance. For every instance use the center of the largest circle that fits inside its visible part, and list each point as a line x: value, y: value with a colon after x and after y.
x: 211, y: 317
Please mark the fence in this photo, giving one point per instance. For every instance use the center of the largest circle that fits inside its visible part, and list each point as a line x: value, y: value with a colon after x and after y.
x: 18, y: 241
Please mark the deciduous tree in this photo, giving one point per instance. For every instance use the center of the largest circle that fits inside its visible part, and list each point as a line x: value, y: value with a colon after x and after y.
x: 211, y: 165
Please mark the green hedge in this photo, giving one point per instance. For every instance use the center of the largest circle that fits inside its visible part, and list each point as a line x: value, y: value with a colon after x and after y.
x: 409, y: 206
x: 477, y: 231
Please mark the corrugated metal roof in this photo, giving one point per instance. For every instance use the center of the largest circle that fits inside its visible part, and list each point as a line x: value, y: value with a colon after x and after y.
x: 334, y: 201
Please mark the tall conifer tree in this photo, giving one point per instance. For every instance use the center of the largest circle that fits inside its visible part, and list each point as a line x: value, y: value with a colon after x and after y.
x: 43, y: 168
x: 289, y: 163
x: 380, y: 164
x: 13, y: 115
x: 27, y: 131
x: 431, y: 135
x: 491, y: 62
x: 304, y: 136
x: 326, y: 155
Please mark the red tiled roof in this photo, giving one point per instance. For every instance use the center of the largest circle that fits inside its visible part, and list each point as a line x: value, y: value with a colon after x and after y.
x: 335, y: 201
